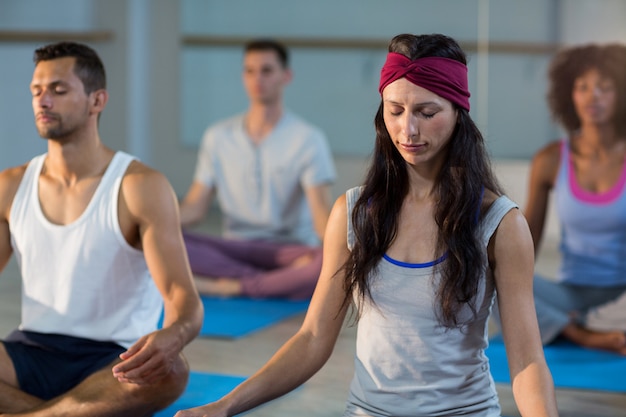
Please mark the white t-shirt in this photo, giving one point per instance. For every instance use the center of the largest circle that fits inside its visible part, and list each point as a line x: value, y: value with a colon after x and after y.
x: 261, y: 187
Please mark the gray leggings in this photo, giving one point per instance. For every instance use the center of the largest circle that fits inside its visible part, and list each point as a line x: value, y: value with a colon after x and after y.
x: 557, y: 304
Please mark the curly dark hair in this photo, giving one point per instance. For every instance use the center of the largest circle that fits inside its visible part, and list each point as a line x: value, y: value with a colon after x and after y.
x: 465, y: 174
x: 88, y: 66
x: 573, y: 62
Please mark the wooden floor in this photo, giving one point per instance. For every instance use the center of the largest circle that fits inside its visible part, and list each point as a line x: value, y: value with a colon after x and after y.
x: 322, y: 396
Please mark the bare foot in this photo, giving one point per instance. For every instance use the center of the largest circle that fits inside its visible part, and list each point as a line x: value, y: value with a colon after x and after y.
x: 302, y: 260
x: 227, y: 287
x: 614, y: 341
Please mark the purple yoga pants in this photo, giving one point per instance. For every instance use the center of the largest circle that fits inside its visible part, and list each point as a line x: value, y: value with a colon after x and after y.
x: 264, y: 267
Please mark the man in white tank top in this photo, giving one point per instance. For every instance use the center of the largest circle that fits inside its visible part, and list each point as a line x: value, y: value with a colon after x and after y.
x: 97, y: 238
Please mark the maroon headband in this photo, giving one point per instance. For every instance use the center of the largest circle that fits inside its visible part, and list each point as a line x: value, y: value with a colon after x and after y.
x: 443, y: 76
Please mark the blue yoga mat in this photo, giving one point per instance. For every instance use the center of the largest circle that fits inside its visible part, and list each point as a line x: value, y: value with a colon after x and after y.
x: 232, y: 318
x: 237, y: 317
x: 571, y: 366
x: 202, y: 388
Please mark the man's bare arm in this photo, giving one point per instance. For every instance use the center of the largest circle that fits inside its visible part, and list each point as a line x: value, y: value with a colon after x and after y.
x: 152, y: 203
x: 9, y: 183
x: 195, y: 204
x: 319, y: 200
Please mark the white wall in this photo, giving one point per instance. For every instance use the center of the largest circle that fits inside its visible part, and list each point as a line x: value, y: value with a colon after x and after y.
x: 583, y: 21
x: 163, y: 93
x: 337, y: 89
x: 19, y: 140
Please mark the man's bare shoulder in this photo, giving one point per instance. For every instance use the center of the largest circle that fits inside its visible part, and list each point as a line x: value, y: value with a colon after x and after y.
x: 13, y: 174
x: 141, y: 175
x: 144, y: 187
x: 10, y: 179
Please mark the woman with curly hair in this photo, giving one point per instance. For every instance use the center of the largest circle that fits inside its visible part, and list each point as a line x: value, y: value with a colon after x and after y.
x: 586, y: 172
x: 418, y: 252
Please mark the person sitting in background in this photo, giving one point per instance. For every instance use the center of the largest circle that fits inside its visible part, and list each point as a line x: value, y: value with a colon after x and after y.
x: 272, y: 173
x: 98, y: 242
x: 587, y: 173
x: 419, y: 252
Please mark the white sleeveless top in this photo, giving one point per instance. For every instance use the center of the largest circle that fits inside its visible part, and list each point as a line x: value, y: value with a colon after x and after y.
x: 407, y: 364
x: 82, y: 279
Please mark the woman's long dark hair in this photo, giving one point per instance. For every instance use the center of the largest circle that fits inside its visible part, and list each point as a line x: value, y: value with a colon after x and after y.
x: 464, y: 175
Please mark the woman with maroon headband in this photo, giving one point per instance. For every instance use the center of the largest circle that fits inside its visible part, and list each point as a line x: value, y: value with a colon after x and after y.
x: 417, y: 254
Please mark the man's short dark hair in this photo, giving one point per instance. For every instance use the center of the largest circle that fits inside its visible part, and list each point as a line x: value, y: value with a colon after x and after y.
x: 88, y: 66
x: 266, y: 44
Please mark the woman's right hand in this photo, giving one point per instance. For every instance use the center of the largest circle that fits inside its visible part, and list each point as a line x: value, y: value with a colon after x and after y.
x: 209, y: 410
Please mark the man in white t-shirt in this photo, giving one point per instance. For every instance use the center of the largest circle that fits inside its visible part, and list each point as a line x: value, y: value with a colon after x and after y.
x: 272, y: 172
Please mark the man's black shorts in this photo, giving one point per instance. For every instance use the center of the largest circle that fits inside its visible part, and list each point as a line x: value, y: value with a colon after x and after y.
x: 48, y: 365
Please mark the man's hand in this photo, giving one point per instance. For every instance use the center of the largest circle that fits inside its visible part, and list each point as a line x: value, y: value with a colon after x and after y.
x: 150, y: 359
